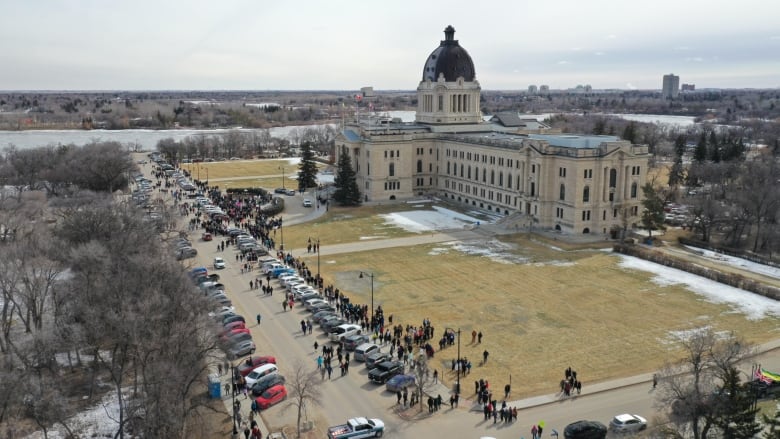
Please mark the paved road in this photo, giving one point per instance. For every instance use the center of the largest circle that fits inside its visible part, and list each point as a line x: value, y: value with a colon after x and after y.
x: 279, y: 334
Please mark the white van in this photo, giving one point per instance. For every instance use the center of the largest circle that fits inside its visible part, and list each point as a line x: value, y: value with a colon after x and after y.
x: 364, y: 350
x: 262, y: 371
x: 345, y: 330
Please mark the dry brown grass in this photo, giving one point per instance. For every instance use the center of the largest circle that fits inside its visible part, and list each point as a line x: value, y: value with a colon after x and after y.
x: 246, y: 173
x: 555, y: 310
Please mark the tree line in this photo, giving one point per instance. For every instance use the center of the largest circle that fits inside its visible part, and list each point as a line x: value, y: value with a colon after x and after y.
x: 91, y: 304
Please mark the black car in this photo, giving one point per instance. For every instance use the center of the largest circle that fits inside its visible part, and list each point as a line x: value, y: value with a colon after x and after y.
x: 377, y: 357
x: 232, y: 318
x: 385, y: 370
x: 266, y: 383
x: 280, y: 190
x: 763, y: 390
x: 585, y: 430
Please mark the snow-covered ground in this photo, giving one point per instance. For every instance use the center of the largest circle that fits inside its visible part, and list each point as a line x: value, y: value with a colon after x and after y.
x: 420, y: 221
x: 754, y: 306
x: 98, y: 421
x: 734, y: 261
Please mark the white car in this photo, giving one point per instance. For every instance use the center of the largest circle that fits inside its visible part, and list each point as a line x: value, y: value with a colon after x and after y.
x: 627, y: 423
x: 219, y: 263
x: 300, y: 289
x: 313, y: 302
x: 339, y: 332
x: 307, y: 202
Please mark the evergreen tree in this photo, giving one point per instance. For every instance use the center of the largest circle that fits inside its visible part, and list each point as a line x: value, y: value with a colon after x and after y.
x: 347, y: 191
x: 773, y: 426
x: 653, y: 213
x: 700, y: 153
x: 307, y: 168
x: 629, y: 132
x: 735, y: 411
x: 713, y: 147
x: 676, y: 174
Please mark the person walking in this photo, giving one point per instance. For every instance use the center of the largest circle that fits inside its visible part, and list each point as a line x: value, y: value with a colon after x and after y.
x: 473, y: 336
x: 259, y: 318
x: 485, y: 356
x: 479, y: 337
x: 435, y: 376
x: 655, y: 380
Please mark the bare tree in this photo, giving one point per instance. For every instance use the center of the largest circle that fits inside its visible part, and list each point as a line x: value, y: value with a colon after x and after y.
x: 303, y: 388
x: 421, y: 376
x: 688, y: 385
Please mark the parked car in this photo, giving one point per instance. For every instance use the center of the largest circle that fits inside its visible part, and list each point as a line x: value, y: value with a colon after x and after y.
x: 289, y: 192
x: 307, y: 202
x: 233, y: 325
x: 312, y: 302
x: 762, y: 389
x: 234, y: 332
x: 232, y: 318
x: 280, y: 190
x: 271, y: 396
x: 627, y: 423
x: 364, y: 350
x: 400, y: 382
x: 186, y: 253
x: 339, y: 332
x: 219, y: 263
x: 585, y: 430
x: 353, y: 341
x: 253, y: 363
x: 259, y: 372
x: 385, y: 370
x: 330, y: 323
x: 206, y: 236
x: 322, y: 307
x: 266, y: 383
x: 238, y: 337
x: 318, y: 316
x: 238, y: 350
x: 375, y: 358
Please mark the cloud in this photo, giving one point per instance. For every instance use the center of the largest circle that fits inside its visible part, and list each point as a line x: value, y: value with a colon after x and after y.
x: 630, y: 86
x: 576, y: 49
x: 694, y: 59
x: 563, y: 62
x: 682, y: 48
x: 599, y: 53
x: 611, y: 36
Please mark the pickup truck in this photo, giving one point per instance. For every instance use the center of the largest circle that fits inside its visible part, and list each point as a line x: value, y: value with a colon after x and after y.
x: 357, y: 428
x: 385, y: 370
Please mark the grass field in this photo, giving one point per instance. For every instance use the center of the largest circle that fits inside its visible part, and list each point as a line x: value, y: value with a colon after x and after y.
x: 236, y: 173
x: 542, y: 312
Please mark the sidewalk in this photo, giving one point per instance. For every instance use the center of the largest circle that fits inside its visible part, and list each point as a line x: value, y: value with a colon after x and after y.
x: 591, y: 389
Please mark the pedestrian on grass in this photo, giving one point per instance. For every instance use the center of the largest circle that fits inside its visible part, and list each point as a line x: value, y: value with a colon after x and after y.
x: 479, y: 337
x: 485, y: 356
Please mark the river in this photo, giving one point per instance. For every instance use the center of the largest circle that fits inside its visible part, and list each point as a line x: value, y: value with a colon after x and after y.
x: 147, y: 139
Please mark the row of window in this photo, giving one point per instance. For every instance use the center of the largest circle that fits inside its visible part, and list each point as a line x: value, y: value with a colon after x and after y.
x: 586, y: 193
x: 464, y: 155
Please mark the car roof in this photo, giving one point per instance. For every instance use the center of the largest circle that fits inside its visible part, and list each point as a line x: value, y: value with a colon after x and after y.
x: 625, y: 417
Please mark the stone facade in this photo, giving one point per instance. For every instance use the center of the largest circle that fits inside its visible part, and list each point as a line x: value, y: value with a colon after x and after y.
x: 572, y: 183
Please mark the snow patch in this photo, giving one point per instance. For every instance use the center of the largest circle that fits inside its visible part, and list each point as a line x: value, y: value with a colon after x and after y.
x: 366, y: 238
x: 419, y: 221
x: 753, y: 267
x: 754, y: 306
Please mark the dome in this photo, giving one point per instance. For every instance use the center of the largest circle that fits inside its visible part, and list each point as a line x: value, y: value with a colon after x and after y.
x: 449, y: 59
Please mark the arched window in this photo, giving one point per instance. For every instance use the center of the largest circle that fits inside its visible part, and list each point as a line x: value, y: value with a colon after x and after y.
x: 509, y: 181
x: 391, y: 170
x: 419, y: 165
x: 633, y: 190
x: 461, y: 170
x: 562, y: 195
x: 448, y: 168
x: 469, y: 173
x: 484, y: 175
x: 586, y: 194
x: 612, y: 178
x: 501, y: 179
x: 492, y: 177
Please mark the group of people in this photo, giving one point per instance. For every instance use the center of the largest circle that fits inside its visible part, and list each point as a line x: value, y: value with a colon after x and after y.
x: 570, y: 383
x: 506, y: 414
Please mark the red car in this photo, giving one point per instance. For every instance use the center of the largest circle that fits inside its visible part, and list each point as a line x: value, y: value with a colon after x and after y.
x: 234, y: 325
x: 235, y: 331
x: 251, y: 363
x: 274, y: 395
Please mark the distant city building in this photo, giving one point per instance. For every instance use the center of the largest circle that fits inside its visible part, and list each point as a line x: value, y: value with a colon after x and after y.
x: 671, y: 86
x: 508, y: 165
x: 588, y: 88
x: 689, y: 87
x: 532, y: 89
x: 544, y: 89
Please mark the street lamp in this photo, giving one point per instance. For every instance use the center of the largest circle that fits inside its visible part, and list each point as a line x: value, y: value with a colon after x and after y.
x: 282, y: 168
x: 371, y: 275
x: 233, y: 392
x: 318, y: 262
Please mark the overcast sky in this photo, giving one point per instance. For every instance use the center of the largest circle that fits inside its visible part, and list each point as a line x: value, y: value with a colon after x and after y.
x: 346, y: 44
